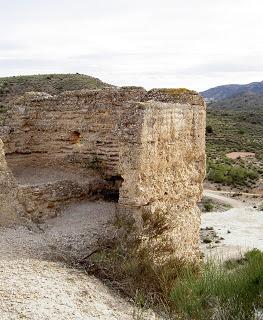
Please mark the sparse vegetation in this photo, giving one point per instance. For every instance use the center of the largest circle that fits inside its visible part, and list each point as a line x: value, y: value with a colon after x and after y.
x: 235, y: 124
x: 232, y: 290
x: 208, y: 205
x: 118, y: 263
x: 229, y: 291
x: 3, y: 110
x: 49, y: 83
x: 231, y: 174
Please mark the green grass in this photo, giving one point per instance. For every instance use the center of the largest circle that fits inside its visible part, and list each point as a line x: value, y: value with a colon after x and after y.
x: 221, y: 291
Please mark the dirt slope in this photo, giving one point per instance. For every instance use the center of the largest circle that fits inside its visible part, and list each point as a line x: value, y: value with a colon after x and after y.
x: 36, y: 282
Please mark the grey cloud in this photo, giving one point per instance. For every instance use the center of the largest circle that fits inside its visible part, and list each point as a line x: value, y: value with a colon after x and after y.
x: 6, y: 45
x: 234, y: 66
x: 13, y: 66
x: 113, y: 54
x: 24, y: 62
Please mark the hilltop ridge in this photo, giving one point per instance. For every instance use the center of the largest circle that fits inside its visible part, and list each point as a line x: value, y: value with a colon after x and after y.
x: 232, y: 90
x: 49, y: 83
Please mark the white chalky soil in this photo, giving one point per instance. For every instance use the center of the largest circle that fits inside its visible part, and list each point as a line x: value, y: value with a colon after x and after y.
x: 35, y: 284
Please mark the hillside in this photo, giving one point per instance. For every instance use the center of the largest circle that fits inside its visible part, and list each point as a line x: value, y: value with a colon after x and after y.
x: 50, y: 83
x: 232, y: 90
x: 235, y: 125
x: 245, y: 105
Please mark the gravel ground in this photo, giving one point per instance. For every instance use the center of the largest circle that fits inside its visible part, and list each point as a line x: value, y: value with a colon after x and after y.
x: 36, y: 284
x: 237, y: 230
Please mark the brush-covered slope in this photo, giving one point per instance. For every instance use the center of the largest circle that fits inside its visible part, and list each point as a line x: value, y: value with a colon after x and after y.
x: 49, y: 83
x: 235, y: 125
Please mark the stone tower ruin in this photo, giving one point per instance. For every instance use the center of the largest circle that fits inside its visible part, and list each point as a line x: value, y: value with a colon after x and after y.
x: 145, y: 150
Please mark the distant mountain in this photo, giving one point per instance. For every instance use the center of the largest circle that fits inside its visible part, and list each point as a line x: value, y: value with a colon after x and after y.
x: 232, y: 90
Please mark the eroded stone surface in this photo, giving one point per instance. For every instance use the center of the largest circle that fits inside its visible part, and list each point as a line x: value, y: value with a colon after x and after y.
x: 148, y: 145
x: 164, y: 180
x: 11, y: 210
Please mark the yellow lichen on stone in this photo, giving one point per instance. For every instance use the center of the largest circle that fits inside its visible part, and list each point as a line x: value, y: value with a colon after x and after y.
x: 177, y: 91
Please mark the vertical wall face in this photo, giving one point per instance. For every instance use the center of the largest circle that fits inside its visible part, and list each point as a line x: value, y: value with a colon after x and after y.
x: 77, y: 128
x: 164, y: 182
x: 10, y: 208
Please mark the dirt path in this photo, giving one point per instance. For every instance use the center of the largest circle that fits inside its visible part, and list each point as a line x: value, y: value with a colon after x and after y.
x: 36, y: 284
x: 241, y: 227
x: 257, y: 195
x: 224, y: 199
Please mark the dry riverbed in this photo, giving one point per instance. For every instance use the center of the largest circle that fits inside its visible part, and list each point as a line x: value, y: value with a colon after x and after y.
x: 230, y: 233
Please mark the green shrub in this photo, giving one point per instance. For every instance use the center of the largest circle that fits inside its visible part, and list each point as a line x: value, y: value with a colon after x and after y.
x: 3, y: 108
x: 241, y: 131
x: 230, y: 174
x: 208, y: 205
x: 209, y: 129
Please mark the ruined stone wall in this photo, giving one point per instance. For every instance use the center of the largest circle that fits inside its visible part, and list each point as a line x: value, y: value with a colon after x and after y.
x: 11, y: 209
x: 79, y: 127
x: 153, y: 142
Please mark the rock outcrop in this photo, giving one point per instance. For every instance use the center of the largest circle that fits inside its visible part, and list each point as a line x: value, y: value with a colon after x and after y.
x: 11, y: 209
x: 143, y: 149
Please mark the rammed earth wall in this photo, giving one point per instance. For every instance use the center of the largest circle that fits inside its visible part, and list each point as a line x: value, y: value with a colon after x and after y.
x: 149, y: 144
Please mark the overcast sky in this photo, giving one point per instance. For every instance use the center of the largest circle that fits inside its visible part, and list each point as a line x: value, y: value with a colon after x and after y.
x: 166, y: 43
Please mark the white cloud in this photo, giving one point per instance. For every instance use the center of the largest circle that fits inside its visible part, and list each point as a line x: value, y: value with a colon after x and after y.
x: 169, y: 43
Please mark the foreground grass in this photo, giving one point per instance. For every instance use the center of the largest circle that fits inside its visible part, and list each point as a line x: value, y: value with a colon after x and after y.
x: 233, y: 290
x: 230, y: 291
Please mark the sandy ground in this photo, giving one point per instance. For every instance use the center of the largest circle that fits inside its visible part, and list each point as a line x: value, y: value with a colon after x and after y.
x: 35, y: 281
x: 241, y: 227
x: 236, y: 155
